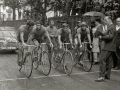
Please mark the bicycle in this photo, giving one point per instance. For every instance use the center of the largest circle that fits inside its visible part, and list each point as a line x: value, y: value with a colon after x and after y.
x: 25, y: 54
x: 65, y: 60
x: 41, y: 58
x: 84, y: 58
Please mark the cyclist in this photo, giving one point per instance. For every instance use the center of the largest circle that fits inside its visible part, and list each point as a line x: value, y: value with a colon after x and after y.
x: 52, y: 30
x: 23, y: 34
x: 75, y: 32
x: 64, y: 35
x: 38, y: 35
x: 83, y: 34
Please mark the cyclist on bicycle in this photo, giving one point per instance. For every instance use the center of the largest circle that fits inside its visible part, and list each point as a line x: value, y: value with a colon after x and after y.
x: 83, y: 34
x: 38, y: 35
x: 23, y: 33
x: 64, y: 35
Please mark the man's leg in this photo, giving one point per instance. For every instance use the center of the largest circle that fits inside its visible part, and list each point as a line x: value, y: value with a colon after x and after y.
x: 102, y: 63
x: 19, y: 52
x: 109, y: 63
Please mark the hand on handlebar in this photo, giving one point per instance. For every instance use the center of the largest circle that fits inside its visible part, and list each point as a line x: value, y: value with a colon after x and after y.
x: 24, y: 44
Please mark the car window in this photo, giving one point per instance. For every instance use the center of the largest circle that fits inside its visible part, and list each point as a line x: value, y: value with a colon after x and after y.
x: 8, y: 34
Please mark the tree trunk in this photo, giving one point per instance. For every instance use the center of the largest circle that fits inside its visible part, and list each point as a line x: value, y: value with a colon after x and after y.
x: 14, y: 16
x: 44, y: 19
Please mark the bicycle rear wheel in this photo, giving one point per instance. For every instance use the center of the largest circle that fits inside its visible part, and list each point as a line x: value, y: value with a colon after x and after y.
x: 28, y: 64
x: 46, y: 63
x: 87, y: 60
x: 68, y: 62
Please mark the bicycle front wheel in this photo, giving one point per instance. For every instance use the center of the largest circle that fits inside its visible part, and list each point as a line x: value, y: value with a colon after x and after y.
x: 28, y: 65
x: 35, y: 58
x: 87, y: 60
x: 46, y: 63
x: 68, y: 62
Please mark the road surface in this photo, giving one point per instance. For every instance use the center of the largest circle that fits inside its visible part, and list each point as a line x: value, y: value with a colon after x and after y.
x: 12, y: 79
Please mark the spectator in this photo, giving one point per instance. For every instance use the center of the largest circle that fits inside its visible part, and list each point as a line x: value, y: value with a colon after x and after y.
x: 118, y: 44
x: 96, y: 48
x: 107, y: 51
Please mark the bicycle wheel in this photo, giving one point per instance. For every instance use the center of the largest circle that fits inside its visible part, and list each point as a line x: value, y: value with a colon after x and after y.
x: 68, y: 62
x: 87, y: 60
x: 28, y: 64
x: 46, y: 63
x: 35, y: 58
x: 20, y: 58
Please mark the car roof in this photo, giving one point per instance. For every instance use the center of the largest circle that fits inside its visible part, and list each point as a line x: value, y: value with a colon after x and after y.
x: 7, y: 28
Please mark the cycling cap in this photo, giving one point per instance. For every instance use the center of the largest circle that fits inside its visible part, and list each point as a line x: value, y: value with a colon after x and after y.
x: 30, y: 23
x: 83, y: 24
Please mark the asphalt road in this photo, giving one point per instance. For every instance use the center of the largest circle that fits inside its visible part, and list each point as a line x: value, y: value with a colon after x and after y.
x: 12, y: 79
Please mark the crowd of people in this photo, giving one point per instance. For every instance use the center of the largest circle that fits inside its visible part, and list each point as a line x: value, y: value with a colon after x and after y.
x: 110, y: 7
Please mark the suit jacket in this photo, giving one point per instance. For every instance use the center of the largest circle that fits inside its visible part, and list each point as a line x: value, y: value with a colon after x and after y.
x: 109, y: 38
x: 118, y: 37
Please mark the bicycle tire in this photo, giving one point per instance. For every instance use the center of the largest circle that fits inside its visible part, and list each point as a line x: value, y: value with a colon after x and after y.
x: 87, y: 60
x: 35, y: 59
x: 20, y: 55
x: 46, y: 63
x: 28, y: 70
x: 68, y: 62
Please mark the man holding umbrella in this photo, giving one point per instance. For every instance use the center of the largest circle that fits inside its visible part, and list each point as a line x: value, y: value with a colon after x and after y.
x: 107, y: 51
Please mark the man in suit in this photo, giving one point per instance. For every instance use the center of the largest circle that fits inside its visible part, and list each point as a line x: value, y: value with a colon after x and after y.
x: 107, y: 51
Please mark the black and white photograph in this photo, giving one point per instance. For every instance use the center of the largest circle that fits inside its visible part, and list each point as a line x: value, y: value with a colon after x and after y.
x: 59, y: 44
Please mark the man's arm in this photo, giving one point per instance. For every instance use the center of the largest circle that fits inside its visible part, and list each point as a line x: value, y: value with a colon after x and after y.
x: 47, y: 35
x: 88, y: 35
x: 70, y: 36
x: 59, y: 37
x: 79, y: 36
x: 110, y: 35
x: 21, y: 29
x: 31, y: 36
x: 89, y: 39
x: 21, y: 37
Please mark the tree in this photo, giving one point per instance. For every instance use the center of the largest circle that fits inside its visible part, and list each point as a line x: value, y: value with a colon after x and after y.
x: 13, y: 4
x: 40, y: 7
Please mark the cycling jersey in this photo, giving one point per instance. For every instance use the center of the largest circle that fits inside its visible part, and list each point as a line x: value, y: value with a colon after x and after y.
x: 26, y: 32
x: 39, y: 34
x: 83, y: 33
x: 64, y: 35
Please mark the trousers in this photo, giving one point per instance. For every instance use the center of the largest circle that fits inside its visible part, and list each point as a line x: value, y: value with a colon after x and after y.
x: 106, y: 61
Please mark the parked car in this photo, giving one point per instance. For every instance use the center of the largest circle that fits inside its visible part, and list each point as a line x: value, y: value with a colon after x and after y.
x: 8, y: 38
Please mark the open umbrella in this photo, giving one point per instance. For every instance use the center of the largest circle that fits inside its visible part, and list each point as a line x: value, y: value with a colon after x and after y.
x: 94, y: 14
